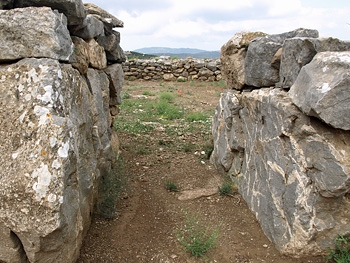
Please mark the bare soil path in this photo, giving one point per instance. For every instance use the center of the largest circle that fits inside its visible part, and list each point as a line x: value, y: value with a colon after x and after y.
x: 149, y: 214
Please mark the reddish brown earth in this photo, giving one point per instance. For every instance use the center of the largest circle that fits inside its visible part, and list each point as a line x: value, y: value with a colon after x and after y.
x: 148, y: 214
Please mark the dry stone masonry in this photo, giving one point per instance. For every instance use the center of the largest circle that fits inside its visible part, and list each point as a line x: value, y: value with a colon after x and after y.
x: 167, y: 69
x: 281, y: 131
x: 60, y: 82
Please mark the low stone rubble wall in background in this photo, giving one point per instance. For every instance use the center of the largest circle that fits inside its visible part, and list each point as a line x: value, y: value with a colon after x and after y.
x: 173, y: 69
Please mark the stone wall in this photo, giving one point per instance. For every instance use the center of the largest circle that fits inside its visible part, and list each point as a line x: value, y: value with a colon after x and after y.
x: 281, y: 131
x: 173, y: 69
x: 60, y: 81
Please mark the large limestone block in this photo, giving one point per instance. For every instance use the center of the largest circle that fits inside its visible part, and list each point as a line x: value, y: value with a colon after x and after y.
x: 34, y: 32
x: 259, y: 68
x: 232, y: 57
x: 293, y: 171
x: 104, y: 16
x: 81, y: 53
x: 73, y: 9
x: 90, y: 28
x: 115, y: 75
x: 50, y: 157
x: 322, y: 89
x: 299, y: 51
x: 97, y: 55
x: 111, y: 44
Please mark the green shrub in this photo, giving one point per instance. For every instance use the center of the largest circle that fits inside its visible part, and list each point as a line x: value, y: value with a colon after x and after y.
x: 341, y: 253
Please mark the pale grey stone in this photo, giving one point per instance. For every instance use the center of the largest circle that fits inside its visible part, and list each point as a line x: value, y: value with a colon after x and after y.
x: 322, y: 89
x: 259, y: 70
x: 55, y: 136
x: 299, y: 51
x: 232, y: 58
x: 90, y: 28
x: 293, y: 171
x: 115, y: 75
x: 103, y: 15
x: 73, y: 9
x: 34, y: 32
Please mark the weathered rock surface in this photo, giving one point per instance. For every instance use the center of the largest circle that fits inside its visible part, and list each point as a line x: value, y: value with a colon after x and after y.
x: 90, y: 28
x: 292, y: 169
x: 289, y: 168
x: 34, y: 32
x: 259, y: 71
x: 232, y: 57
x: 56, y: 140
x: 104, y: 16
x: 115, y: 75
x: 73, y: 9
x: 322, y: 89
x: 48, y: 190
x: 299, y: 51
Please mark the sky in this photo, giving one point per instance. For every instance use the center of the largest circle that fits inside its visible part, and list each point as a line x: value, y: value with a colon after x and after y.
x: 209, y: 24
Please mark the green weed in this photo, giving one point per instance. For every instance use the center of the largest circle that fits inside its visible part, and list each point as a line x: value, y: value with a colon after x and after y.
x: 171, y: 186
x: 196, y: 237
x: 125, y: 95
x: 167, y: 96
x: 168, y: 111
x: 196, y: 116
x: 148, y: 93
x: 226, y: 189
x: 112, y: 184
x: 341, y: 253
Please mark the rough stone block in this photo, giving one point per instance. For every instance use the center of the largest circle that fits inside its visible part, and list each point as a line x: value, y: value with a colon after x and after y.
x: 34, y: 32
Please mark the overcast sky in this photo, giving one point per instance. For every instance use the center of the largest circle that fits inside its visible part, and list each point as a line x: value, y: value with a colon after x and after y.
x: 208, y: 24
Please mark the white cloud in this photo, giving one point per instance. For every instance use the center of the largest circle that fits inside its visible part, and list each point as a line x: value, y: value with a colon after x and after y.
x: 210, y: 24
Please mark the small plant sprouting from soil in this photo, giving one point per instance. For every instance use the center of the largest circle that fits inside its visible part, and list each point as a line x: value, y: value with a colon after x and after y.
x: 227, y: 187
x: 196, y: 237
x: 341, y: 253
x: 171, y: 186
x: 112, y: 185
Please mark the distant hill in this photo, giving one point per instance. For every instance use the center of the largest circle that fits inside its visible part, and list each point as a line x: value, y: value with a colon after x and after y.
x: 136, y: 55
x: 178, y: 52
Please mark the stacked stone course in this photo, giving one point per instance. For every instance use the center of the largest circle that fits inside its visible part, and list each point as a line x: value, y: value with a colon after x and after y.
x: 281, y: 131
x: 173, y: 69
x: 60, y: 80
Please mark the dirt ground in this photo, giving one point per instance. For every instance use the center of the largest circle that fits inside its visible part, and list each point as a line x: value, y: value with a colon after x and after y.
x: 148, y: 214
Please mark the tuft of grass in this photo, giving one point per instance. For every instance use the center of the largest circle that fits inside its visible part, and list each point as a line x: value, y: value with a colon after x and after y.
x: 226, y: 189
x: 148, y: 93
x: 168, y: 111
x: 112, y: 185
x: 196, y: 116
x: 189, y: 147
x: 167, y: 96
x: 171, y: 186
x: 126, y: 95
x: 196, y: 237
x: 341, y: 253
x: 136, y: 127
